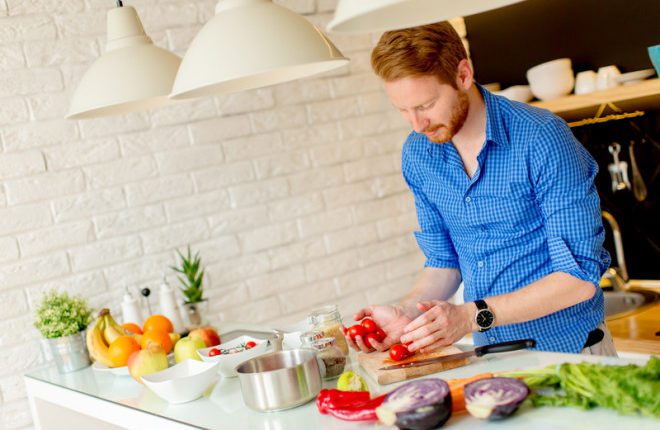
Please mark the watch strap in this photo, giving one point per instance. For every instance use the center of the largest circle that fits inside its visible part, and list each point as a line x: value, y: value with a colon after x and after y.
x: 481, y: 304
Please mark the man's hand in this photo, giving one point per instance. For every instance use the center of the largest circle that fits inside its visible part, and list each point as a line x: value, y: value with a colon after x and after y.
x: 390, y: 319
x: 441, y: 324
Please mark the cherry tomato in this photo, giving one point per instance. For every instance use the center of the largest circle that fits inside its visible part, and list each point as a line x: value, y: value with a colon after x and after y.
x: 355, y: 330
x: 398, y: 352
x: 214, y: 352
x: 369, y: 337
x: 380, y: 335
x: 369, y: 325
x: 250, y: 345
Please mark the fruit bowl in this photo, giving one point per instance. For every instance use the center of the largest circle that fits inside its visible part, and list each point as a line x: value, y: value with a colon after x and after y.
x: 233, y: 354
x: 123, y: 370
x: 183, y: 382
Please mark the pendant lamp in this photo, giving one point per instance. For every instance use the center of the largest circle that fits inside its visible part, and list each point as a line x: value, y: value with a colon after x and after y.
x: 362, y: 16
x: 133, y: 74
x: 251, y: 44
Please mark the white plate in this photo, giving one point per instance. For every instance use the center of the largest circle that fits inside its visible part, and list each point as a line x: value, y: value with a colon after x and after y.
x: 632, y: 77
x: 123, y: 370
x: 119, y: 371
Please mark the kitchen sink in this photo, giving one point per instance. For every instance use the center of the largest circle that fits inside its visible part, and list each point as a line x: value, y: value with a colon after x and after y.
x: 619, y: 302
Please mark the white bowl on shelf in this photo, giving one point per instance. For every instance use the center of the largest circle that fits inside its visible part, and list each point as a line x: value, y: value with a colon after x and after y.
x: 519, y: 93
x: 183, y: 382
x: 227, y: 362
x: 551, y: 80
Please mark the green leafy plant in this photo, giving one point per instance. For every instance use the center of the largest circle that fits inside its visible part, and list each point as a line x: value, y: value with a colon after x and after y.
x: 191, y: 281
x: 61, y: 315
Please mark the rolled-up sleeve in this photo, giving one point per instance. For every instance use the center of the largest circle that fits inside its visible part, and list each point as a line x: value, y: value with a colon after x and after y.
x: 563, y: 172
x: 433, y: 239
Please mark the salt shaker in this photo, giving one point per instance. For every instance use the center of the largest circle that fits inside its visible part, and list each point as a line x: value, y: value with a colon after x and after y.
x: 130, y: 309
x: 168, y: 305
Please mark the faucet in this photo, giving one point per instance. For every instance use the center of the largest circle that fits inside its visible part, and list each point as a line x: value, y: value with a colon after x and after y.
x: 618, y: 276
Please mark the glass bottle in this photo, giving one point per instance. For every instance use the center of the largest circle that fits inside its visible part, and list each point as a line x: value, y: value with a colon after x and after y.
x: 330, y: 357
x: 328, y: 320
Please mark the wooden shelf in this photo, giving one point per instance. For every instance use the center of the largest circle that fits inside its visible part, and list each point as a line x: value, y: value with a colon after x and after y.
x: 643, y: 95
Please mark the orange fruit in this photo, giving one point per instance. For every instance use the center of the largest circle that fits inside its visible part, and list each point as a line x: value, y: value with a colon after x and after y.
x: 158, y: 322
x: 132, y: 327
x: 121, y: 349
x: 157, y: 337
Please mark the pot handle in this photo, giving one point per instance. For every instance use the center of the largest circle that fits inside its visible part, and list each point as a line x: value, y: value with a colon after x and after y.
x: 277, y: 341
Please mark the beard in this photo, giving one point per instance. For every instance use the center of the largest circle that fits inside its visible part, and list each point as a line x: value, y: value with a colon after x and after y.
x: 445, y: 132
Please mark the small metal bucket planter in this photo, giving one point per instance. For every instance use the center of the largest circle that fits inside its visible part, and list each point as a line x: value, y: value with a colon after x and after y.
x: 70, y: 352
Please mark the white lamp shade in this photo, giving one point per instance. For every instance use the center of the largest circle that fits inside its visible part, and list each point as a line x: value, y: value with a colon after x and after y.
x: 250, y: 44
x: 132, y: 75
x: 355, y: 16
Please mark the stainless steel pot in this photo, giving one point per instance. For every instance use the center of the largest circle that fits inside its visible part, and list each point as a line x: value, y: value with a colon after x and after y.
x: 280, y: 380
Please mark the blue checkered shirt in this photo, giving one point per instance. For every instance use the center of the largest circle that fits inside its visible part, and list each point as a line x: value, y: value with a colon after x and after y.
x: 530, y: 209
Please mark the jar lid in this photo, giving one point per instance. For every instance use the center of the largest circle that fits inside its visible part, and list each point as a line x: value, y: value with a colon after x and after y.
x: 324, y: 314
x: 323, y: 343
x: 308, y: 337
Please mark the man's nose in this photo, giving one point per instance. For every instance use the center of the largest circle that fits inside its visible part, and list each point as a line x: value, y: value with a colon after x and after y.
x: 418, y: 122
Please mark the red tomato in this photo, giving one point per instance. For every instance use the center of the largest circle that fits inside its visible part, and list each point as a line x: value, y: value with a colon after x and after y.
x: 398, y: 352
x: 380, y: 335
x: 250, y: 344
x: 369, y: 325
x: 369, y: 337
x: 214, y: 352
x: 355, y: 330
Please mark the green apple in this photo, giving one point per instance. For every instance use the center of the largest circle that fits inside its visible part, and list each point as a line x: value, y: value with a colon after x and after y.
x: 187, y: 348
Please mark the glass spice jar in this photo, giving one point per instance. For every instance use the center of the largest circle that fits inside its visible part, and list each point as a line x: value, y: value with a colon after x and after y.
x: 331, y: 359
x: 328, y: 320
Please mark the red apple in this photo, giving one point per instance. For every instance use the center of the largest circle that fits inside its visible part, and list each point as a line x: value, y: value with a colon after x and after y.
x: 207, y: 334
x: 147, y: 361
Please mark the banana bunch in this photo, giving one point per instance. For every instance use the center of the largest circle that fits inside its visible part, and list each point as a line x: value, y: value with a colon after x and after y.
x: 101, y: 334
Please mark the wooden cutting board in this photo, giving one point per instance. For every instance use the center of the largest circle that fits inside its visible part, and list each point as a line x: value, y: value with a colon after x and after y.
x: 375, y: 360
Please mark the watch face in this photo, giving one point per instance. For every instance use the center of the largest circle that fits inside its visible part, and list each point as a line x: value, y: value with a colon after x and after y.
x: 485, y: 318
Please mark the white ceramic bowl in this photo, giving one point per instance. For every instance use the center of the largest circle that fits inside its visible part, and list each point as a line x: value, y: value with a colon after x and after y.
x: 551, y: 80
x: 183, y: 382
x: 227, y: 362
x: 519, y: 93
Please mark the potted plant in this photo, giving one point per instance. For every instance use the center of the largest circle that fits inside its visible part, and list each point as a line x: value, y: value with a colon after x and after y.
x: 62, y: 320
x: 191, y: 276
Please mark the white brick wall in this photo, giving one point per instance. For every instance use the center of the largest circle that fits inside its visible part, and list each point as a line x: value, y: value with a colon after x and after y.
x: 292, y: 194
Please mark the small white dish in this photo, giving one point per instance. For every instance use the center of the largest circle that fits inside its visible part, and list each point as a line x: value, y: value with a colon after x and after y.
x: 183, y: 382
x: 118, y: 371
x: 227, y: 362
x: 632, y: 77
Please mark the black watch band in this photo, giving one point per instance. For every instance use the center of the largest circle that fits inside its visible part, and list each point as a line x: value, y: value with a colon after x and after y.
x: 485, y: 318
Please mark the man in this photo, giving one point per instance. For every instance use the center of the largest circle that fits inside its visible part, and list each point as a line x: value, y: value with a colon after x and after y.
x: 506, y: 202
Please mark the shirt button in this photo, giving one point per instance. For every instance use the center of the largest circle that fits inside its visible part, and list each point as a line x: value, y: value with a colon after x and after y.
x: 468, y: 199
x: 480, y: 264
x: 492, y: 339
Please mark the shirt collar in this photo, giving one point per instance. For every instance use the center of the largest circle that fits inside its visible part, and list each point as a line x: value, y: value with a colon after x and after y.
x: 495, y: 131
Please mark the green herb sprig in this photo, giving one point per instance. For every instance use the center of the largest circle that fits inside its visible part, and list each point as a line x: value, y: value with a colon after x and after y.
x: 191, y: 282
x: 61, y: 315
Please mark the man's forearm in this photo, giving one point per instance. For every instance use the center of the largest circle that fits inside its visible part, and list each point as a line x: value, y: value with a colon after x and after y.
x: 432, y: 284
x: 547, y: 295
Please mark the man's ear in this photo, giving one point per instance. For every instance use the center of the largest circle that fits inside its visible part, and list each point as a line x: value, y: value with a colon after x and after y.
x: 464, y: 74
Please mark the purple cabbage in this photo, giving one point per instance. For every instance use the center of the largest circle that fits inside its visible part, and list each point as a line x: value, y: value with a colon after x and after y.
x: 417, y: 405
x: 494, y: 398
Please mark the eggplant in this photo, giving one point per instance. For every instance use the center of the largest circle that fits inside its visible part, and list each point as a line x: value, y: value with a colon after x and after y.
x: 417, y: 405
x: 494, y: 398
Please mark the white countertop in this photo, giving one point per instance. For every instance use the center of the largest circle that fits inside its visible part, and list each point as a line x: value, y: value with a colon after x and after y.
x: 126, y: 403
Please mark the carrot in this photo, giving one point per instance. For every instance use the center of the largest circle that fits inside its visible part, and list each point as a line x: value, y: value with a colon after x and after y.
x: 456, y: 388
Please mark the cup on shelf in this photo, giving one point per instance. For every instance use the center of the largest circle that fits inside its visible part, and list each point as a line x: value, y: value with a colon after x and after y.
x: 585, y: 82
x: 552, y: 79
x: 606, y: 77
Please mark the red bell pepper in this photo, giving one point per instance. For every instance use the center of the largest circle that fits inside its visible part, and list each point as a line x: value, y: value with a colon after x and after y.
x: 336, y: 399
x: 365, y: 411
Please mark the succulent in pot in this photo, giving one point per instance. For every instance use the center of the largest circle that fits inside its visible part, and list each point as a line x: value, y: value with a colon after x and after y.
x: 191, y: 277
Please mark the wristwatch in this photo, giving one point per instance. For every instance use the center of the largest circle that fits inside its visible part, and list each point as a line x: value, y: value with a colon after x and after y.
x: 485, y: 318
